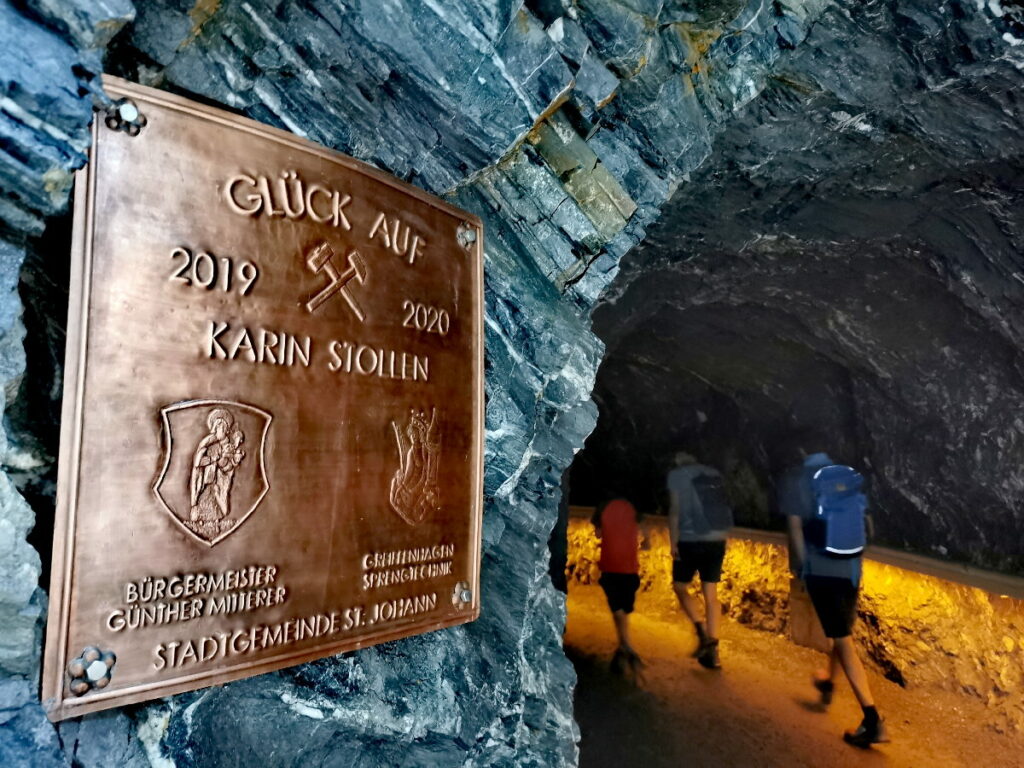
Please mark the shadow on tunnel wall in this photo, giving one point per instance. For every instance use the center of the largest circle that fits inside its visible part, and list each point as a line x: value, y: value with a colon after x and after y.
x: 34, y: 417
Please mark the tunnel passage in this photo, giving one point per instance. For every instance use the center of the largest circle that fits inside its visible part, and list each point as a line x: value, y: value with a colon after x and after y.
x: 848, y: 262
x: 729, y: 358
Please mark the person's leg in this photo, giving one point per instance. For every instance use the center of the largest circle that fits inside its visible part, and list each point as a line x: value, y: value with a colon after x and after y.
x: 712, y: 607
x: 707, y: 654
x: 684, y: 568
x: 824, y: 679
x: 621, y: 619
x: 827, y: 674
x: 688, y: 602
x: 844, y: 651
x: 872, y: 728
x: 709, y: 565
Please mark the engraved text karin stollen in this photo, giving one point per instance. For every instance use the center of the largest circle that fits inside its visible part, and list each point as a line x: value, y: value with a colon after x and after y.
x: 220, y: 495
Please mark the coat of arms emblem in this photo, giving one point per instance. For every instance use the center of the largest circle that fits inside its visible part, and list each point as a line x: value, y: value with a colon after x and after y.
x: 213, y: 474
x: 414, y: 491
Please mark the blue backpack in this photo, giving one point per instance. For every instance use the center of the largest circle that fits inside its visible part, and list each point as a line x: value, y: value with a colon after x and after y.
x: 840, y: 510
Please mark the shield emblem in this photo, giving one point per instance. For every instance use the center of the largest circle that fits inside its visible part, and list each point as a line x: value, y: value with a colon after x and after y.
x: 214, y: 473
x: 414, y: 492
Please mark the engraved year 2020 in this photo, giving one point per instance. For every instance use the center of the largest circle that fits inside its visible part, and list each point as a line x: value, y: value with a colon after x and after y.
x: 204, y: 270
x: 425, y: 318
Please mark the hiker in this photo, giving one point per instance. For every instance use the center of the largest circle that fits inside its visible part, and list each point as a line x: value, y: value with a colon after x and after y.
x: 616, y: 524
x: 699, y: 521
x: 825, y: 510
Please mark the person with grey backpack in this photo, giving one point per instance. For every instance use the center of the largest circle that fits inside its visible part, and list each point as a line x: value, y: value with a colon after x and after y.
x: 699, y: 521
x: 825, y: 507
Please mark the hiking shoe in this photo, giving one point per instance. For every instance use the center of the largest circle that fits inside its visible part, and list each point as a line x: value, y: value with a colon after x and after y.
x: 866, y: 734
x: 702, y: 639
x: 826, y: 688
x: 708, y: 655
x: 636, y: 666
x: 620, y: 662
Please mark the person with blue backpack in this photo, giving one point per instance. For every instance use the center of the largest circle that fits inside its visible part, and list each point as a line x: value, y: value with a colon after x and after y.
x: 699, y: 521
x: 826, y: 510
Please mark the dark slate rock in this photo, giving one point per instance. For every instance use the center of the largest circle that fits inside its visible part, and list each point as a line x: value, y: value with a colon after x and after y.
x: 572, y: 42
x: 89, y: 24
x: 103, y: 739
x: 442, y: 94
x: 43, y: 121
x: 595, y: 80
x: 26, y: 737
x: 859, y: 258
x: 531, y: 63
x: 620, y: 35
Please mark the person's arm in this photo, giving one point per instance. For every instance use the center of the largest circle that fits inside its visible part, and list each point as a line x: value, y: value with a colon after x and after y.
x: 673, y: 522
x: 797, y: 548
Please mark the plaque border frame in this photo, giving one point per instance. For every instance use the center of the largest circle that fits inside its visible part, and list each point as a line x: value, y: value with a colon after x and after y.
x: 56, y: 701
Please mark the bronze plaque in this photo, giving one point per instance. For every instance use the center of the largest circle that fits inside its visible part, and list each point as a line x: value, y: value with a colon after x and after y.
x: 271, y: 446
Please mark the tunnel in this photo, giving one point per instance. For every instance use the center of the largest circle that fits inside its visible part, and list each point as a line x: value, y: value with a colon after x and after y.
x: 718, y: 227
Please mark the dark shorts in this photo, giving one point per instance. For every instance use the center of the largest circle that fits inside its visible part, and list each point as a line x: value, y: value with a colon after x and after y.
x: 835, y: 602
x: 703, y: 557
x: 620, y: 589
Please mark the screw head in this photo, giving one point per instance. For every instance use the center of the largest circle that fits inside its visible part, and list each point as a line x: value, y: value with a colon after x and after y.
x: 128, y: 111
x: 466, y: 235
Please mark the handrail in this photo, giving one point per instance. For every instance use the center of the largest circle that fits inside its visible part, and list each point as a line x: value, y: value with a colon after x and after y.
x: 990, y: 581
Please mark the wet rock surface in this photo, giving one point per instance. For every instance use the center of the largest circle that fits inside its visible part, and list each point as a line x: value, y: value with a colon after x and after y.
x: 847, y: 263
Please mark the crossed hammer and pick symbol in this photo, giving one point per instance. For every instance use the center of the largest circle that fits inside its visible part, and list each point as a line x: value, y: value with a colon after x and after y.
x: 319, y: 261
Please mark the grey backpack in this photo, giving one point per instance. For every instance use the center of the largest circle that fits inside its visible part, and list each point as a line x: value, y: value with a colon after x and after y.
x: 713, y: 502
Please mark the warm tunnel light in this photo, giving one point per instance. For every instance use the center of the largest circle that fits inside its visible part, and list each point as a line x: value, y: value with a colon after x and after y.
x: 918, y: 630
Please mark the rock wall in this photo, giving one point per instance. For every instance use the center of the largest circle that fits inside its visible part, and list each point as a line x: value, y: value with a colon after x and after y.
x: 850, y: 267
x: 565, y: 126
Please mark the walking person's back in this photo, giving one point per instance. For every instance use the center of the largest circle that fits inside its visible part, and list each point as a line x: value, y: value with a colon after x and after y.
x: 616, y: 524
x: 699, y: 521
x: 824, y: 506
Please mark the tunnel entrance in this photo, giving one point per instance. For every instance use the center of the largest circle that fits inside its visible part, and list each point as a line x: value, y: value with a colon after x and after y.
x: 871, y: 344
x: 728, y: 356
x: 852, y: 273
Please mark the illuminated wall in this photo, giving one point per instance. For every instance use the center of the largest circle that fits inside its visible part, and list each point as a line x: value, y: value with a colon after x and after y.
x: 917, y: 630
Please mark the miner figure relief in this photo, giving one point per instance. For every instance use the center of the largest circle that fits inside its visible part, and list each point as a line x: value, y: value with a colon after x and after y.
x: 213, y: 473
x: 414, y: 490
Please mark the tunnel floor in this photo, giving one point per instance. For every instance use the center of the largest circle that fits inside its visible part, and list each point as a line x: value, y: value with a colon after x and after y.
x: 757, y: 710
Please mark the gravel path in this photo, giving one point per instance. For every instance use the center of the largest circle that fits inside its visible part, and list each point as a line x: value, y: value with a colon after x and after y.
x: 757, y: 711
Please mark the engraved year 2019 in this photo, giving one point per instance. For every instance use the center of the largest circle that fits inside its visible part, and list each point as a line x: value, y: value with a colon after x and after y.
x: 204, y: 270
x: 425, y: 318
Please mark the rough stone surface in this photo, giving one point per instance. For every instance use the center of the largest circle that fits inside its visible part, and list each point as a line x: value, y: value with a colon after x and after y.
x: 21, y: 603
x: 456, y: 97
x: 45, y: 108
x: 847, y: 262
x: 87, y: 24
x: 26, y: 737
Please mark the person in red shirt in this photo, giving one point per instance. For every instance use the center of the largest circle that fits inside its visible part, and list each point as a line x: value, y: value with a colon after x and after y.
x: 616, y: 525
